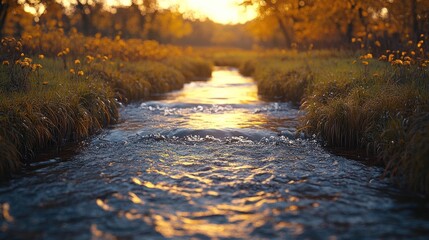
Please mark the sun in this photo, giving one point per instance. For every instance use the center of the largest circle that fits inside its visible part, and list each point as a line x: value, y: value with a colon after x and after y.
x: 220, y: 11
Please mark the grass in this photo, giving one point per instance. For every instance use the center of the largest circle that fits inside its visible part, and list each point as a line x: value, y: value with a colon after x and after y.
x: 49, y: 114
x: 356, y: 104
x: 65, y: 104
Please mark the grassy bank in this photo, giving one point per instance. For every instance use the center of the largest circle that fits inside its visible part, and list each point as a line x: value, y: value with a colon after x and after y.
x: 357, y: 102
x: 47, y: 99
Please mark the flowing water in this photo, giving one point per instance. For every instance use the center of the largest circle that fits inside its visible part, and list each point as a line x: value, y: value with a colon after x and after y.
x: 209, y: 161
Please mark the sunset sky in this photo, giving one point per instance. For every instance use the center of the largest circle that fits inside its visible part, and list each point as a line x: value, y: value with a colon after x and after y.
x: 221, y: 11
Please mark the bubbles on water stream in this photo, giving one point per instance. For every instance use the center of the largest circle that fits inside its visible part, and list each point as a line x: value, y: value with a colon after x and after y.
x: 186, y: 109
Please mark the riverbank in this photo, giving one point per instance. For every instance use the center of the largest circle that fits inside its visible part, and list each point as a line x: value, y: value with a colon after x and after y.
x: 47, y: 100
x: 355, y: 102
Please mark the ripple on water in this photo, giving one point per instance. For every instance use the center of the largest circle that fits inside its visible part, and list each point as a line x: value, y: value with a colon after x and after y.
x: 208, y: 164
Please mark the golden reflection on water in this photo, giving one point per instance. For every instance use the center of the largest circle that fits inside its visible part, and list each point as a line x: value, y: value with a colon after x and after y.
x: 242, y: 215
x: 6, y: 212
x: 224, y: 88
x: 103, y: 205
x: 230, y: 119
x: 98, y: 234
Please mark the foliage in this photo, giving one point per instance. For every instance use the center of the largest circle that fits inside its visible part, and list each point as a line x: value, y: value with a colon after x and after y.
x: 144, y: 20
x: 332, y: 23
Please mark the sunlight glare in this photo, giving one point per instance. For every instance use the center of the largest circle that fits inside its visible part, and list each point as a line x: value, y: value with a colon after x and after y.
x: 220, y: 11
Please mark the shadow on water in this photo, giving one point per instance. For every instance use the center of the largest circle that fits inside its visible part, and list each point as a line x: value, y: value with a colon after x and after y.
x: 211, y: 161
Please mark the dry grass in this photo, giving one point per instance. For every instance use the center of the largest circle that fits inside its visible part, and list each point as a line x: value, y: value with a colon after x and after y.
x: 74, y: 93
x: 356, y: 103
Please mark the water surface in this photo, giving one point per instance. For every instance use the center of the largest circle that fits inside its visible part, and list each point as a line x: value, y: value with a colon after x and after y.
x: 211, y: 161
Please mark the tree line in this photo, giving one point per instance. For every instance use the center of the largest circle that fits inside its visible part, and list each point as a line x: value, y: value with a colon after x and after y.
x: 143, y: 19
x: 280, y: 23
x: 329, y: 23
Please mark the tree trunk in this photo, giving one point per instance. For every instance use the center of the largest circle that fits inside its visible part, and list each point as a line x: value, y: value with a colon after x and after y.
x: 414, y: 22
x: 285, y: 32
x: 86, y: 21
x: 349, y: 31
x: 4, y: 7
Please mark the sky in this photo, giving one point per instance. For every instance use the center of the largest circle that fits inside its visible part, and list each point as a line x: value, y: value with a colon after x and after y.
x: 220, y: 11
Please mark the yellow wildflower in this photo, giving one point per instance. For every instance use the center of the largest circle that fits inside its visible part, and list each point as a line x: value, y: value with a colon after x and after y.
x: 365, y: 63
x: 80, y: 73
x: 24, y: 64
x: 41, y: 56
x: 22, y: 54
x: 45, y: 83
x: 391, y: 57
x: 407, y: 63
x: 77, y: 61
x: 378, y: 43
x: 397, y: 62
x: 420, y: 43
x: 5, y: 63
x: 60, y: 54
x: 72, y: 71
x: 407, y: 58
x: 382, y: 58
x: 89, y: 58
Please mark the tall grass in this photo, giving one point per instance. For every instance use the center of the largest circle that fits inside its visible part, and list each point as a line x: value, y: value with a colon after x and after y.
x: 192, y: 68
x: 351, y: 103
x: 75, y: 92
x: 50, y: 114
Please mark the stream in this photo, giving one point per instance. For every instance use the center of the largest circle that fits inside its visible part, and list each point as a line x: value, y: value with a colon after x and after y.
x: 211, y: 161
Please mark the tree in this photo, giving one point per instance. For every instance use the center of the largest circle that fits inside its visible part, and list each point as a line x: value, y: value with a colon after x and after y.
x: 171, y: 25
x: 281, y: 14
